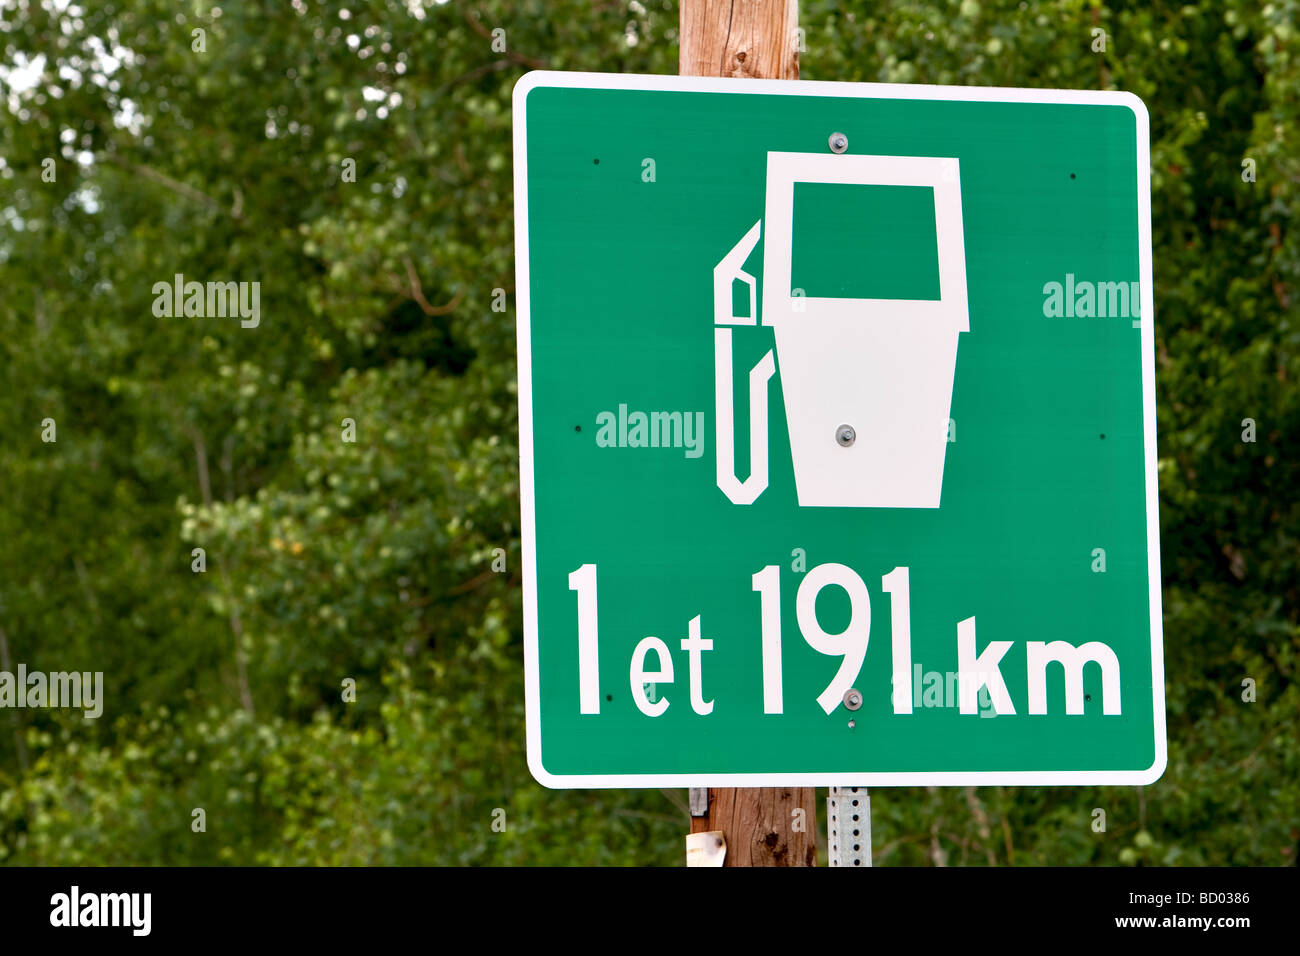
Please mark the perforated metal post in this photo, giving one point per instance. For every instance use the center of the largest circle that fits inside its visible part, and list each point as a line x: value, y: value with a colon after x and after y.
x: 848, y: 826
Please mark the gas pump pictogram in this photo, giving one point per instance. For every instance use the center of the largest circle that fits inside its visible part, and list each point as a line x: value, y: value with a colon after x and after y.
x: 867, y: 383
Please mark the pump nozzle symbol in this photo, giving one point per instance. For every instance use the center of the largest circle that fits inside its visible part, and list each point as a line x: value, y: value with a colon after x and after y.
x: 882, y: 367
x: 725, y: 274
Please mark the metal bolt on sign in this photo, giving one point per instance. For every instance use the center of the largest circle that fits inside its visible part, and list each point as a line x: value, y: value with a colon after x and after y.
x: 838, y: 142
x: 848, y: 826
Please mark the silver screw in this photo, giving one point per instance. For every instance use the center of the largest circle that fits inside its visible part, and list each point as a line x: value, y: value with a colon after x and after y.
x: 845, y: 435
x: 838, y: 142
x: 852, y: 698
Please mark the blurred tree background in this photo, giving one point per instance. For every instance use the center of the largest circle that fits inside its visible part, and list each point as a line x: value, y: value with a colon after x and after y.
x: 215, y: 142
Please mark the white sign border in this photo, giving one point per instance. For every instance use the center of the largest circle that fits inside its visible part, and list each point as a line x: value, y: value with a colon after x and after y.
x: 613, y: 81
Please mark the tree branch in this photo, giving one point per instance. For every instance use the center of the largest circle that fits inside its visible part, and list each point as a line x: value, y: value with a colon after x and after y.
x: 162, y: 179
x: 483, y: 31
x: 417, y: 292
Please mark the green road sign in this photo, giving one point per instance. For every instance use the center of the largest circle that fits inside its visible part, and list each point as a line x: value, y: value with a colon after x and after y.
x: 837, y: 434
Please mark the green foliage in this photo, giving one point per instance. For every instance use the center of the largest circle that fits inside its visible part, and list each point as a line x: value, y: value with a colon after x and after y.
x: 372, y: 560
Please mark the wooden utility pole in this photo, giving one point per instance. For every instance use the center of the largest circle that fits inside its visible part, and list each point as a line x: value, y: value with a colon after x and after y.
x: 756, y: 39
x: 767, y: 826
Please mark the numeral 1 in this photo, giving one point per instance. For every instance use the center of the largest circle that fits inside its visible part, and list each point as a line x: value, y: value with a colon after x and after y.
x: 583, y: 581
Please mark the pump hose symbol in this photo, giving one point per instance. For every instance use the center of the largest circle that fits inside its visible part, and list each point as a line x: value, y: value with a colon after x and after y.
x: 725, y: 273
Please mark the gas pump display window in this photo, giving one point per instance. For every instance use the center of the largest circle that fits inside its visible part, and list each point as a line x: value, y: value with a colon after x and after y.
x: 864, y: 242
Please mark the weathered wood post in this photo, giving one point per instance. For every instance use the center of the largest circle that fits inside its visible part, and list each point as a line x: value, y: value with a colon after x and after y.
x: 755, y: 39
